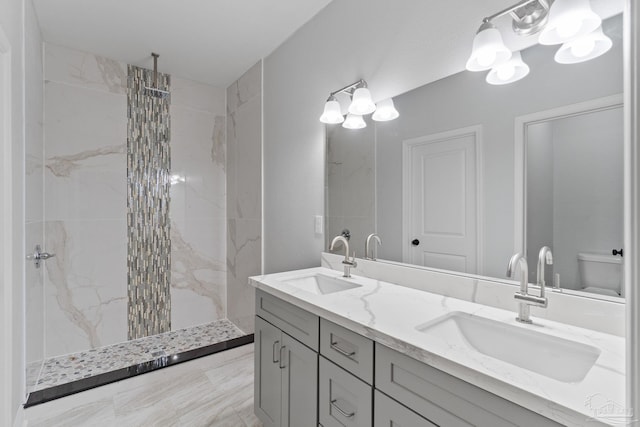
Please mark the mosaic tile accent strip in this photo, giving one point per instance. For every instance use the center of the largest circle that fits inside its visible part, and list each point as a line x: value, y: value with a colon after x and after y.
x: 77, y: 366
x: 148, y: 224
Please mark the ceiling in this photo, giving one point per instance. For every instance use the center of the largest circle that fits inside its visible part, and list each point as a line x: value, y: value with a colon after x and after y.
x: 210, y: 41
x: 215, y: 41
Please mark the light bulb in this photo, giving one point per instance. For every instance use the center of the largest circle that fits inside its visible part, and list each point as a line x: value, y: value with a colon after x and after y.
x: 569, y: 19
x: 582, y: 47
x: 332, y: 113
x: 585, y: 48
x: 354, y: 121
x: 385, y: 111
x: 488, y: 49
x: 361, y: 102
x: 486, y: 57
x: 509, y: 72
x: 506, y: 71
x: 569, y: 27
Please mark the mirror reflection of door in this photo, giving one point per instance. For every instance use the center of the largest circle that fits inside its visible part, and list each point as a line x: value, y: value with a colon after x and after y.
x: 440, y: 195
x: 574, y: 188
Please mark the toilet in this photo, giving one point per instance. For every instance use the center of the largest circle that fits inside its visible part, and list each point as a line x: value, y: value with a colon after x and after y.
x: 600, y: 273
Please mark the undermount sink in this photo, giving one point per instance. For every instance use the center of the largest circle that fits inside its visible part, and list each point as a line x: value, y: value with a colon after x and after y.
x: 551, y: 356
x: 321, y: 284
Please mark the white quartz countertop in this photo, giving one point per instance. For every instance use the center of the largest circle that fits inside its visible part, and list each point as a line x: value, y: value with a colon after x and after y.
x: 390, y: 315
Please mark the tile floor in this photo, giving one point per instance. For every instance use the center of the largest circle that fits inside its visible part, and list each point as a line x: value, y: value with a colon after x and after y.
x: 215, y: 391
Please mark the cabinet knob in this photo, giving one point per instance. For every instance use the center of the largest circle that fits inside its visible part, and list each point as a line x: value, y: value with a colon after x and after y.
x: 415, y: 242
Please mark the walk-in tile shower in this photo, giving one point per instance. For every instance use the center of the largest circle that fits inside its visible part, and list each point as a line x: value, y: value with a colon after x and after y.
x: 134, y: 191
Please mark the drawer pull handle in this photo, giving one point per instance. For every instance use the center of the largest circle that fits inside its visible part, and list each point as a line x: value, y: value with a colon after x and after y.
x: 273, y: 352
x: 334, y: 345
x: 340, y: 410
x: 281, y: 363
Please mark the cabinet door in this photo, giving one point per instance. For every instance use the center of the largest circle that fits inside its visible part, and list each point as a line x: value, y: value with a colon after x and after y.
x: 299, y: 384
x: 268, y: 376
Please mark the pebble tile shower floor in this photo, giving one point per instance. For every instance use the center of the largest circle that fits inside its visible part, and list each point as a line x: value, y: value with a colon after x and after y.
x: 73, y: 367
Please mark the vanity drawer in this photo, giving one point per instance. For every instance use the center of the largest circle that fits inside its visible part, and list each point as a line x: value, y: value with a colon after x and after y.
x: 388, y: 412
x: 444, y: 399
x: 298, y: 323
x: 347, y: 349
x: 343, y: 399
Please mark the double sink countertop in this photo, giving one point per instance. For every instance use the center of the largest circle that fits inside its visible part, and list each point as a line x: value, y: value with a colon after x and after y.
x: 422, y: 325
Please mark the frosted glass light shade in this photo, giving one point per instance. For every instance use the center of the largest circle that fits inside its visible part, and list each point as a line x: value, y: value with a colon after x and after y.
x: 509, y: 72
x: 361, y: 103
x: 569, y: 19
x: 584, y: 48
x: 354, y: 121
x: 385, y: 111
x: 332, y: 113
x: 488, y: 50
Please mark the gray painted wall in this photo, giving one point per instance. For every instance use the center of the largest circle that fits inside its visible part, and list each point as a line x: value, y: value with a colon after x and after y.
x: 384, y: 42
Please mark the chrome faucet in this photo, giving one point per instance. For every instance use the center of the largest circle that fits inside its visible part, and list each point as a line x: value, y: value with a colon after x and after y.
x: 544, y: 257
x: 523, y: 296
x: 348, y: 263
x: 367, y: 246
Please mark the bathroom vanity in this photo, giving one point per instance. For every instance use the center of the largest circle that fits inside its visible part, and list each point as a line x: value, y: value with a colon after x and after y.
x: 333, y: 351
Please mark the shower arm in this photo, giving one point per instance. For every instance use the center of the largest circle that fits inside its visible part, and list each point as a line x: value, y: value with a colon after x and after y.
x: 155, y: 69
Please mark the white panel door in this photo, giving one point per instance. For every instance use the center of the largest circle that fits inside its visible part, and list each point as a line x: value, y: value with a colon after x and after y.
x: 440, y: 196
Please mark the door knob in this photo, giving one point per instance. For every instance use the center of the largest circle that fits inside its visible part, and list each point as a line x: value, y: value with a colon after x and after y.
x: 415, y: 242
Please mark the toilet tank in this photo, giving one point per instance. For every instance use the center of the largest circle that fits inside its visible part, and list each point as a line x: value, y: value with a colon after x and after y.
x: 600, y: 271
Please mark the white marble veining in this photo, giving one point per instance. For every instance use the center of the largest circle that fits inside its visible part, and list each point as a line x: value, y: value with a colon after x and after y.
x: 244, y: 193
x: 215, y: 391
x: 391, y: 314
x: 85, y: 186
x: 591, y: 313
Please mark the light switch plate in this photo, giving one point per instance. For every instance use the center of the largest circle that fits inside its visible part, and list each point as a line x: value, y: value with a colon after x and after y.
x: 319, y: 224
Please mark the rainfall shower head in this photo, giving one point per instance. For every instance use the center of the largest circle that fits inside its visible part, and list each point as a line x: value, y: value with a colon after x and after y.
x: 153, y: 91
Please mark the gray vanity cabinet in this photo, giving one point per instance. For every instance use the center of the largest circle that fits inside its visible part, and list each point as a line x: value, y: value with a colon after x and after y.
x: 286, y: 371
x: 446, y: 400
x: 310, y: 372
x: 389, y: 413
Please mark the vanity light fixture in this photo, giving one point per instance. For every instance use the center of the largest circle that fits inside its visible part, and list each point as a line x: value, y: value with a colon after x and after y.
x: 569, y: 19
x: 385, y: 111
x: 584, y: 48
x: 571, y: 23
x: 488, y: 48
x: 511, y: 71
x: 361, y: 104
x: 332, y: 113
x: 354, y: 121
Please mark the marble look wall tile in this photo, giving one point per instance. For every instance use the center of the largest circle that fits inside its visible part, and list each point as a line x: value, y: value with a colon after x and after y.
x: 78, y: 119
x: 244, y: 193
x: 197, y: 96
x: 87, y: 70
x: 197, y: 165
x: 198, y: 208
x: 248, y: 152
x: 246, y: 87
x: 244, y: 259
x: 85, y: 165
x: 86, y: 303
x: 198, y: 272
x: 34, y: 298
